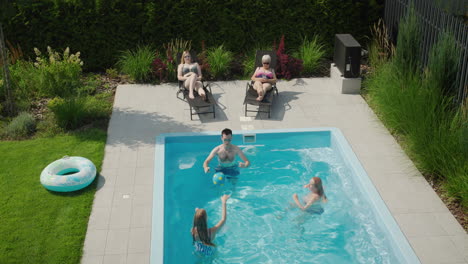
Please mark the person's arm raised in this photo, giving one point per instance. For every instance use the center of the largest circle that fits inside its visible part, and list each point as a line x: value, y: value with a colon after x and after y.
x: 221, y: 222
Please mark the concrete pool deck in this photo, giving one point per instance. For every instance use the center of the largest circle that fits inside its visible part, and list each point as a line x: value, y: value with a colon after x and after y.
x: 119, y: 228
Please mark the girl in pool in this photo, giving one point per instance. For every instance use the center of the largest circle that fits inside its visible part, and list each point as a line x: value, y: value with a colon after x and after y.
x: 314, y: 199
x: 201, y: 234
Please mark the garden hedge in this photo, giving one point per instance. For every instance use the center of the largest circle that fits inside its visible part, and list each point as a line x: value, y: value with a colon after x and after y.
x: 100, y: 29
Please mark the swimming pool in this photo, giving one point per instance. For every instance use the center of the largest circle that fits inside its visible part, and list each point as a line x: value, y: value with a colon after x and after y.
x: 356, y: 226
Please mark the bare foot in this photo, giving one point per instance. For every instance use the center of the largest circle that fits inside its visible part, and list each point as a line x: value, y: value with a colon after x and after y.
x: 259, y: 98
x: 191, y: 96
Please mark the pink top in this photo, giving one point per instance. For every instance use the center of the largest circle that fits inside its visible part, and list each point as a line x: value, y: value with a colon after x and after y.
x: 263, y: 74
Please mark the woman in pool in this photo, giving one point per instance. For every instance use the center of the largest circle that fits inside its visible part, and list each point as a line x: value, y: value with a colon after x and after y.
x: 314, y: 199
x: 201, y: 234
x: 263, y: 78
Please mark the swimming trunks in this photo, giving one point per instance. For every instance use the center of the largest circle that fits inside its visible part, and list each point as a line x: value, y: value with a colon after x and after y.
x: 230, y: 169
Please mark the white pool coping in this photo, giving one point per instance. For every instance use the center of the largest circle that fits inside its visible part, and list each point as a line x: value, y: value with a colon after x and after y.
x: 368, y: 191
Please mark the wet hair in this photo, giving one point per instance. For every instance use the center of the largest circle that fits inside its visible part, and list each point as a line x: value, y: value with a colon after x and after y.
x: 200, y: 222
x: 186, y: 52
x: 266, y: 58
x: 319, y: 187
x: 226, y: 132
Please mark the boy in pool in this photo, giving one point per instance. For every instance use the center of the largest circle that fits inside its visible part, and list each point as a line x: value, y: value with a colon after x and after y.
x: 314, y: 199
x: 226, y: 153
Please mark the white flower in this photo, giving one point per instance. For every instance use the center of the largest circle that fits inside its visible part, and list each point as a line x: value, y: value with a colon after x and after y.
x: 37, y: 51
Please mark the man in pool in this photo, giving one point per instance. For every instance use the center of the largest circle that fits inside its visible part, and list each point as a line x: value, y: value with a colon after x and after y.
x: 226, y: 153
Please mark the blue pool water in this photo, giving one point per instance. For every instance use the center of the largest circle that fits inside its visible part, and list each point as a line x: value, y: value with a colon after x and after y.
x: 261, y: 226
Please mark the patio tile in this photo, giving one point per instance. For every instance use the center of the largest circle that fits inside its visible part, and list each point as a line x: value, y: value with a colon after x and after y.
x: 95, y: 243
x: 143, y: 195
x: 450, y: 224
x: 115, y: 259
x: 120, y: 216
x: 117, y: 242
x: 144, y: 176
x: 461, y: 243
x: 139, y: 240
x: 127, y: 158
x: 103, y: 196
x: 111, y: 160
x: 99, y: 218
x: 138, y: 258
x: 125, y: 176
x: 141, y: 216
x: 86, y: 259
x: 435, y: 249
x: 419, y: 224
x: 413, y: 202
x: 107, y: 177
x: 145, y: 157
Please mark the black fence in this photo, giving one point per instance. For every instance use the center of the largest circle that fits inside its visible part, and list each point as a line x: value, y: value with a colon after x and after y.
x: 433, y: 20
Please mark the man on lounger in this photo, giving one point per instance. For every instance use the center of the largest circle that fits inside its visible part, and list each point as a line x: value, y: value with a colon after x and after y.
x: 226, y: 153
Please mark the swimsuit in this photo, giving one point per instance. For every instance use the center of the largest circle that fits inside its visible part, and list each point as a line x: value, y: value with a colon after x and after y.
x: 187, y: 69
x: 264, y: 75
x: 231, y: 169
x: 203, y: 249
x: 316, y: 208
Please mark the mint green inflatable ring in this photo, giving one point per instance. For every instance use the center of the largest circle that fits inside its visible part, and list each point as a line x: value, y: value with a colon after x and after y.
x: 68, y: 174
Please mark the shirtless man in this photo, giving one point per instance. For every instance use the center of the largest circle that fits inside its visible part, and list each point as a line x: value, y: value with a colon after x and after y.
x: 226, y: 153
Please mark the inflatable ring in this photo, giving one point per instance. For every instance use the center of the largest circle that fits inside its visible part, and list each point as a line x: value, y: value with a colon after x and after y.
x: 68, y: 174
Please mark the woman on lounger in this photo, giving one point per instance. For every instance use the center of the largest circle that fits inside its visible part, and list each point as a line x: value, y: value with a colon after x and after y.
x: 263, y: 78
x: 190, y: 73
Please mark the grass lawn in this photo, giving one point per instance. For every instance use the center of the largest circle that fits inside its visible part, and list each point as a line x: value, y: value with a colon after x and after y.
x: 39, y: 226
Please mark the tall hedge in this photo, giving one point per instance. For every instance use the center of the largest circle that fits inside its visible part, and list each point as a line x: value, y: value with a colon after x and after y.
x: 100, y: 29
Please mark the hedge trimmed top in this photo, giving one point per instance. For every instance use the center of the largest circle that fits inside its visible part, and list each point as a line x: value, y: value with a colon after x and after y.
x: 100, y: 29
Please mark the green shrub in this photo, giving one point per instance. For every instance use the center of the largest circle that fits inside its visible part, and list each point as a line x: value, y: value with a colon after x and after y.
x: 430, y: 130
x: 137, y: 63
x: 25, y: 83
x: 112, y: 73
x: 443, y: 64
x: 407, y: 49
x: 74, y: 112
x: 58, y: 74
x: 219, y: 60
x: 21, y: 126
x: 154, y: 22
x: 90, y: 84
x: 310, y: 52
x: 381, y: 49
x: 249, y: 66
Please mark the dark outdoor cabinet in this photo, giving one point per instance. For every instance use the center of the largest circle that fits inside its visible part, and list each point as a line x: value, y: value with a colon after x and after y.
x: 347, y: 56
